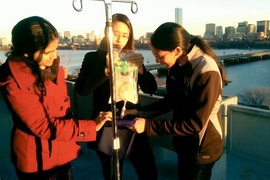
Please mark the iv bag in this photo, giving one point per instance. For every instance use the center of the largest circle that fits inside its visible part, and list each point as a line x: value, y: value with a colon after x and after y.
x: 126, y: 78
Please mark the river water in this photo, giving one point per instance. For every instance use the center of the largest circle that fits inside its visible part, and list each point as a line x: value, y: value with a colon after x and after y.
x: 247, y: 75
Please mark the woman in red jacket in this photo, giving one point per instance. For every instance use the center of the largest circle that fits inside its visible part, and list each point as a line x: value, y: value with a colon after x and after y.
x: 44, y: 137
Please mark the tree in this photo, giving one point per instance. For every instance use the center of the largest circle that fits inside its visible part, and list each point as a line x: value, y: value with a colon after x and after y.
x: 255, y: 96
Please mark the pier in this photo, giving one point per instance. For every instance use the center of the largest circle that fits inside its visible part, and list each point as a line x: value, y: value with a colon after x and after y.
x: 226, y: 60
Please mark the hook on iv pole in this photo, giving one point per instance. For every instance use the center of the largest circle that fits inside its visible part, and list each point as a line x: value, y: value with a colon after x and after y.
x: 74, y: 6
x: 133, y: 8
x: 134, y: 4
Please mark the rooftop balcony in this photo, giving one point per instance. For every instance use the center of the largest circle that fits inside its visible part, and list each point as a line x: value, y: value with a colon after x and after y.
x: 246, y: 144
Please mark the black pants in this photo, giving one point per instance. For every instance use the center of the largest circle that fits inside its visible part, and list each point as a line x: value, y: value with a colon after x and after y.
x: 141, y: 157
x: 59, y: 173
x: 187, y: 170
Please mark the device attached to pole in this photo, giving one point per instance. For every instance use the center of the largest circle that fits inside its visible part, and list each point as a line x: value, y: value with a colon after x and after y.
x: 109, y: 34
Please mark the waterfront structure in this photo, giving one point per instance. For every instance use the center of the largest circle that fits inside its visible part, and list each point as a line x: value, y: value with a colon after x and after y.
x: 178, y: 16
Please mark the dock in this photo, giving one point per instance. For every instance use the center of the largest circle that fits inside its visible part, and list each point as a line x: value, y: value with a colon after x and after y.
x: 225, y: 59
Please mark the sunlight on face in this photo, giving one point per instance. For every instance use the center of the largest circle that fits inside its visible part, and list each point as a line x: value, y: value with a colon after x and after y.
x: 120, y: 34
x: 46, y: 58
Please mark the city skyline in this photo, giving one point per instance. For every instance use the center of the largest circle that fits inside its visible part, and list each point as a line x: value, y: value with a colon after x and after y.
x: 151, y: 14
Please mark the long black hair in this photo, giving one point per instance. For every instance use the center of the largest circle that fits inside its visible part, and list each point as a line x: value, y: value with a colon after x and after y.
x: 170, y: 35
x: 29, y: 36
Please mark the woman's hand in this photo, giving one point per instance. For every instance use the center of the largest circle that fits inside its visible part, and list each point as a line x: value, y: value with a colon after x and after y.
x: 139, y: 126
x: 135, y: 59
x: 102, y: 118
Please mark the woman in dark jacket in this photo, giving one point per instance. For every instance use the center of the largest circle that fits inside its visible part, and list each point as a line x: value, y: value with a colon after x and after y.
x: 194, y: 94
x: 93, y: 77
x: 44, y: 138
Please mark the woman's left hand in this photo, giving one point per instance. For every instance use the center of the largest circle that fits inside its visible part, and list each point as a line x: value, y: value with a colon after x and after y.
x: 135, y: 59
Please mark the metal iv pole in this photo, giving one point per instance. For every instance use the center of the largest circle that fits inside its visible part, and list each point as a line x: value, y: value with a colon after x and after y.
x: 109, y: 34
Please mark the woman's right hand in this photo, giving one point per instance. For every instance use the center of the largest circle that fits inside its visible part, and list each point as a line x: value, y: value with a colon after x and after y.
x: 102, y: 118
x: 139, y: 126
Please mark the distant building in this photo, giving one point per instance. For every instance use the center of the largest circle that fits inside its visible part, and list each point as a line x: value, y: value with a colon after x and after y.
x: 210, y: 31
x: 229, y: 30
x: 211, y: 27
x: 80, y: 39
x: 60, y: 34
x: 251, y: 28
x: 208, y: 35
x: 219, y: 32
x: 178, y: 16
x: 148, y: 35
x: 263, y: 26
x: 91, y: 36
x: 3, y: 42
x: 242, y: 27
x: 251, y: 36
x: 236, y: 36
x: 60, y: 37
x: 67, y: 36
x: 74, y: 39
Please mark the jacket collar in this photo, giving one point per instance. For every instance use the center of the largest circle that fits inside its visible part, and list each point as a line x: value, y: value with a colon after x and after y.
x: 195, y: 53
x: 23, y: 74
x: 195, y: 56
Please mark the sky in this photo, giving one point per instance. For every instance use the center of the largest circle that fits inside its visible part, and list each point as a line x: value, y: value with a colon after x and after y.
x: 151, y: 13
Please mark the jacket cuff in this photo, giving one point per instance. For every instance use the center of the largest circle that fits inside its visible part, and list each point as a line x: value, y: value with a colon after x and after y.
x: 87, y: 130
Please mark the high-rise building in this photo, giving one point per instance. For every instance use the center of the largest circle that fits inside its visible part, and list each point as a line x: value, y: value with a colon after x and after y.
x: 242, y: 27
x: 210, y: 31
x: 219, y: 32
x: 263, y: 26
x: 67, y: 34
x: 211, y: 27
x: 178, y: 16
x: 251, y: 28
x: 91, y: 36
x: 229, y: 30
x: 60, y: 34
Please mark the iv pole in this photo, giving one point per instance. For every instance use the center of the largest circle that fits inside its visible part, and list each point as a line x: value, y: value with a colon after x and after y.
x: 109, y: 34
